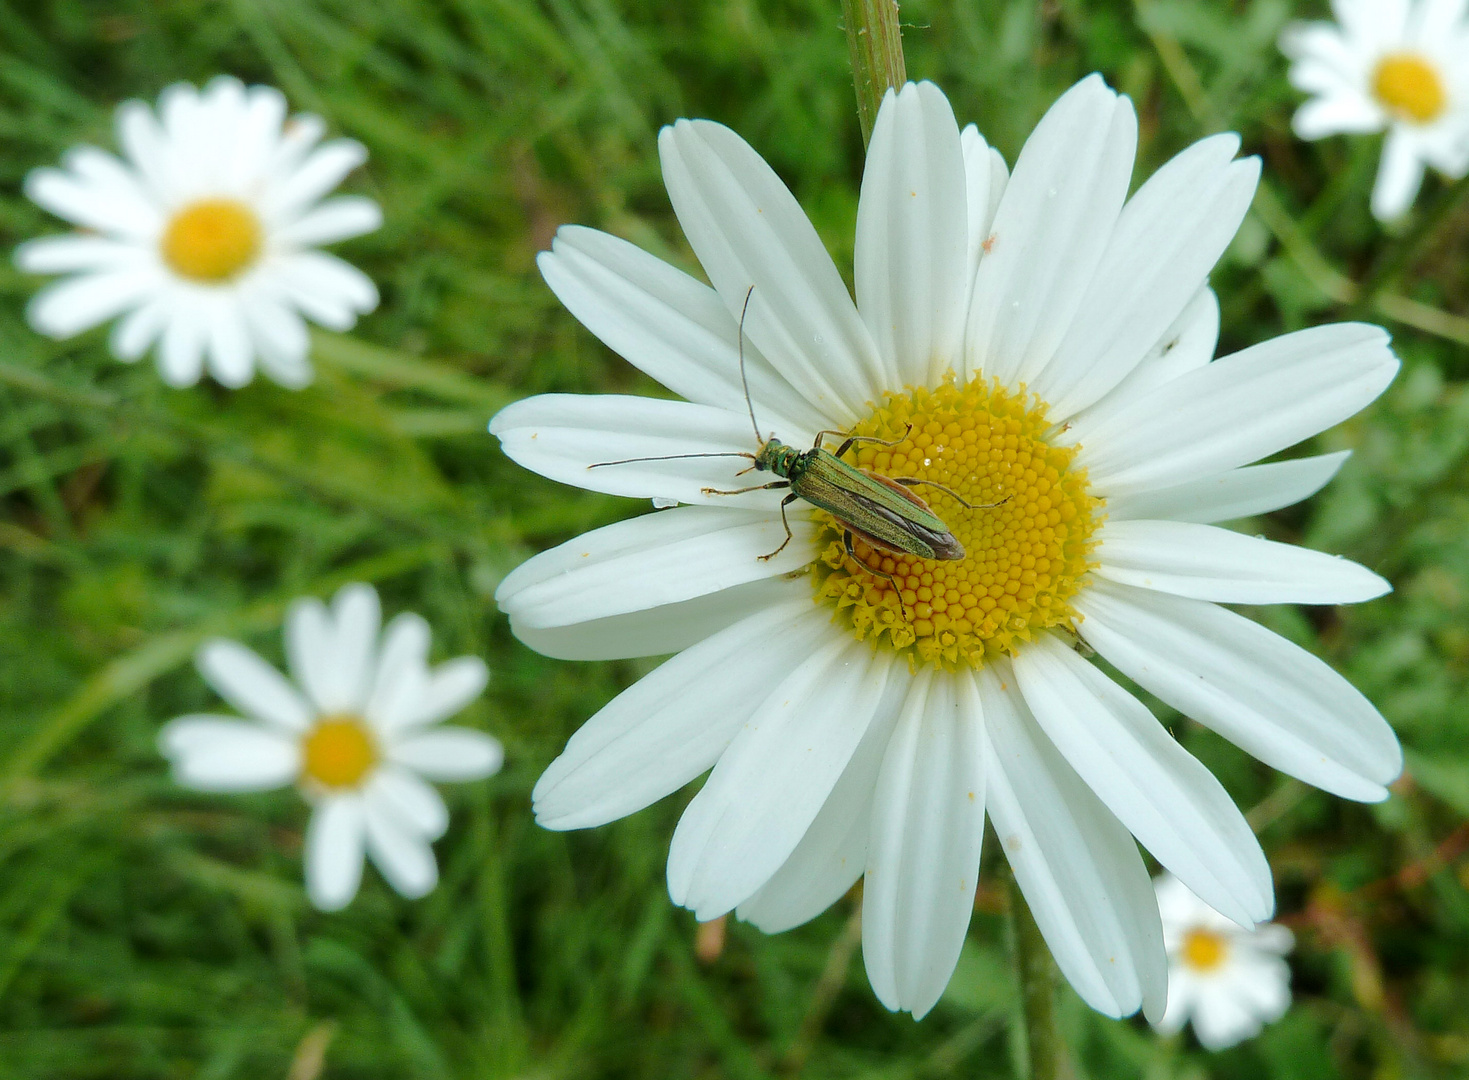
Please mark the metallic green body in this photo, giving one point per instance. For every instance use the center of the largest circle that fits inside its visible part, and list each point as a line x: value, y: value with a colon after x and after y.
x: 881, y: 511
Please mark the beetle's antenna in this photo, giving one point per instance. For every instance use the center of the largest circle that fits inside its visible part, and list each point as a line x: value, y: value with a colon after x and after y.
x: 669, y: 457
x: 745, y: 382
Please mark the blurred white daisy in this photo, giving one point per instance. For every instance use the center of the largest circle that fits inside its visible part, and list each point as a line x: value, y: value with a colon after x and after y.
x: 1041, y: 342
x: 1228, y: 980
x: 357, y: 735
x: 204, y: 238
x: 1398, y: 65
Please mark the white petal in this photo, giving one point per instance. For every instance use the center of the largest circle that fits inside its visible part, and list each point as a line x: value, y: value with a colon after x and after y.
x: 356, y: 614
x: 336, y: 219
x: 402, y: 660
x: 775, y: 776
x: 326, y: 289
x: 1209, y: 563
x: 982, y: 195
x: 923, y: 858
x: 105, y: 199
x: 1078, y: 867
x: 659, y: 631
x: 573, y: 438
x: 449, y: 754
x: 660, y: 558
x: 1239, y: 493
x: 1399, y: 175
x: 435, y: 695
x: 1169, y: 236
x: 142, y: 140
x: 322, y: 170
x: 1258, y: 690
x: 670, y: 326
x: 402, y: 854
x: 298, y: 135
x: 78, y: 251
x: 231, y: 357
x: 1185, y: 346
x: 1221, y: 1020
x: 833, y: 853
x: 136, y: 331
x: 219, y: 753
x: 674, y: 722
x: 79, y: 303
x: 413, y: 802
x: 1236, y: 410
x: 262, y: 111
x: 335, y: 838
x: 1050, y: 231
x: 310, y: 651
x: 181, y: 352
x: 280, y: 336
x: 1164, y: 796
x: 251, y: 685
x: 912, y: 235
x: 1340, y: 112
x: 747, y: 229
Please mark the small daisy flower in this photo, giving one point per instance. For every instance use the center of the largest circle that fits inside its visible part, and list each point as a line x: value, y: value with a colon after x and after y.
x: 1228, y: 980
x: 1395, y: 65
x: 357, y: 735
x: 203, y: 239
x: 1031, y: 350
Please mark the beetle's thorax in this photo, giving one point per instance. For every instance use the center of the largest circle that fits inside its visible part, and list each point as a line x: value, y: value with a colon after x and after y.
x: 779, y: 458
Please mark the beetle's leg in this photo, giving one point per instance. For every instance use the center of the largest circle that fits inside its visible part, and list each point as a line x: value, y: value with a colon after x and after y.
x: 792, y: 497
x: 850, y: 439
x: 847, y: 543
x: 913, y: 481
x: 740, y: 491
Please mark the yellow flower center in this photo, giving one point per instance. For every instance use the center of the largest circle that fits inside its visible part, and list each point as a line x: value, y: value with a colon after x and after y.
x: 338, y: 752
x: 212, y: 240
x: 1204, y: 950
x: 1024, y: 558
x: 1409, y: 86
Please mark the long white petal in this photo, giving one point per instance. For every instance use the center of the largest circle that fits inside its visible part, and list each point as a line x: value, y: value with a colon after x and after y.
x: 220, y: 753
x: 336, y: 219
x: 984, y: 183
x: 1236, y: 410
x: 322, y: 170
x: 573, y: 437
x: 1399, y: 175
x: 449, y: 754
x: 110, y: 204
x: 402, y: 658
x: 181, y: 351
x: 748, y: 230
x: 1050, y: 232
x: 673, y: 723
x: 1170, y: 234
x: 1260, y: 691
x: 672, y: 327
x: 430, y: 696
x: 356, y: 617
x: 1185, y: 346
x: 66, y: 254
x: 335, y: 842
x: 1209, y: 563
x: 1078, y: 866
x: 923, y: 858
x: 72, y: 305
x: 1239, y: 493
x: 231, y: 354
x: 410, y: 800
x: 402, y: 854
x: 649, y: 561
x: 327, y: 289
x: 833, y: 853
x: 1164, y: 796
x: 774, y: 777
x: 251, y: 685
x: 659, y: 631
x: 912, y: 234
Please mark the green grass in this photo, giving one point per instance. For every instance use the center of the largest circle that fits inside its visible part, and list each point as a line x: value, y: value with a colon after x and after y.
x: 147, y: 932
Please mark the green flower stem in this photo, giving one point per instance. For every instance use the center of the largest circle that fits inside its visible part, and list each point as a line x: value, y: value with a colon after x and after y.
x: 876, y: 44
x: 1037, y: 990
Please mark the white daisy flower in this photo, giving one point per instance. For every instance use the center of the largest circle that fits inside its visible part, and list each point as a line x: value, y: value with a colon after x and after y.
x: 1395, y: 65
x: 1228, y: 980
x: 358, y: 738
x: 1039, y: 341
x: 204, y: 238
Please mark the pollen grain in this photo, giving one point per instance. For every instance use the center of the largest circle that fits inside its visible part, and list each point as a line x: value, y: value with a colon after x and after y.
x: 1025, y: 555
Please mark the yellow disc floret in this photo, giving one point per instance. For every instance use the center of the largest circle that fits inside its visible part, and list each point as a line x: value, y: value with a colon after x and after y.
x: 1024, y: 557
x: 212, y: 240
x: 1203, y: 950
x: 338, y: 752
x: 1409, y: 87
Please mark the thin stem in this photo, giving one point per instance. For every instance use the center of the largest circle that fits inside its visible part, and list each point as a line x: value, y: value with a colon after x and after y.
x: 876, y: 43
x: 1037, y: 990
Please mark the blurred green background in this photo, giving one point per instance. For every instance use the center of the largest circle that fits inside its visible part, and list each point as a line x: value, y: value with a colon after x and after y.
x: 146, y: 932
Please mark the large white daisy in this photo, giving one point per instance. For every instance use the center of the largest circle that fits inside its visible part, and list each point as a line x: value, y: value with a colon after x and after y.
x: 358, y: 738
x: 204, y: 238
x: 1040, y: 341
x: 1395, y: 65
x: 1227, y: 980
